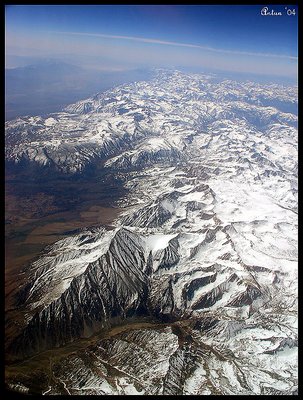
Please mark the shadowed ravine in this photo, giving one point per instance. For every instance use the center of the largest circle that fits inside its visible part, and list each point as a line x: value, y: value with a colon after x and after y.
x: 41, y: 207
x: 200, y: 176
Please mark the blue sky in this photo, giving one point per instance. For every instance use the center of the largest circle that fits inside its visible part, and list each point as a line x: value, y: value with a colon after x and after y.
x: 227, y: 38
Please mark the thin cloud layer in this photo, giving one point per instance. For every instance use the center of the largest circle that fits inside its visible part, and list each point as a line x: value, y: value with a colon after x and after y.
x: 209, y: 38
x: 169, y: 43
x: 118, y: 52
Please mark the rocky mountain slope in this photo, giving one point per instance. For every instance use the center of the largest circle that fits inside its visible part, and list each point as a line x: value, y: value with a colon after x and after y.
x: 206, y: 247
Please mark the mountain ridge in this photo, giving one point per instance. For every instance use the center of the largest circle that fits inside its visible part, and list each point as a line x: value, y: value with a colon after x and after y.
x: 208, y: 235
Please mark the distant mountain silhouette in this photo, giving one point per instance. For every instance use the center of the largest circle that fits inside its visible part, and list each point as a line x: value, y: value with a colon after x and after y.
x: 50, y: 85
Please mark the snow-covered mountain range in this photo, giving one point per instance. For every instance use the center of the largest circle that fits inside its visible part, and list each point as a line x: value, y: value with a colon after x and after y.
x: 206, y: 246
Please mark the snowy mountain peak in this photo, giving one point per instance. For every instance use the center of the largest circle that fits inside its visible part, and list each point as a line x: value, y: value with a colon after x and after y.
x: 206, y: 244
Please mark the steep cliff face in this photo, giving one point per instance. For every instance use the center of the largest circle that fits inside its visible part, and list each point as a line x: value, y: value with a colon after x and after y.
x: 110, y: 288
x: 130, y: 274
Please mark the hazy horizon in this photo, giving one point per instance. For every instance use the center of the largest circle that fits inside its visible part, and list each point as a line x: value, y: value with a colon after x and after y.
x: 232, y: 39
x: 104, y: 46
